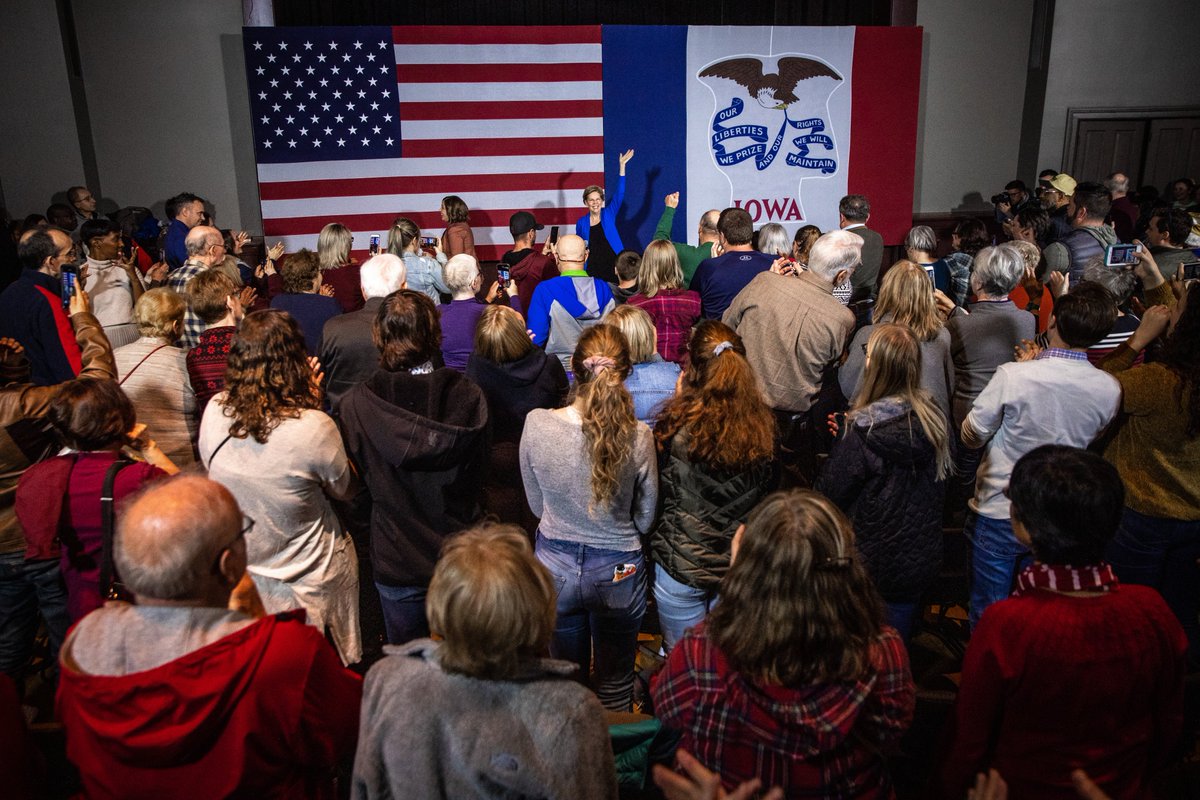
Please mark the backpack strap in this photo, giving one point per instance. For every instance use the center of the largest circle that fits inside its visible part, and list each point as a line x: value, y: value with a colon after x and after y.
x: 108, y: 582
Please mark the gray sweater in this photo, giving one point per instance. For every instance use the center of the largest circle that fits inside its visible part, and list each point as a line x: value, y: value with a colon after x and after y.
x: 556, y: 468
x: 980, y: 341
x: 937, y: 369
x: 429, y: 733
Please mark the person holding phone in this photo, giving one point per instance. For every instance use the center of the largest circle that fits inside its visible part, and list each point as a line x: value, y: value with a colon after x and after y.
x: 424, y: 274
x: 527, y: 267
x: 598, y: 227
x: 32, y: 310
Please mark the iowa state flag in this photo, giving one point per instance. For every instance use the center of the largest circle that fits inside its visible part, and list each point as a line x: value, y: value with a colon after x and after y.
x: 360, y: 125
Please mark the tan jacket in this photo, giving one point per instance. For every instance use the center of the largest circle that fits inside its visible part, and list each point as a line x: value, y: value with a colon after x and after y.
x: 23, y: 408
x: 793, y: 329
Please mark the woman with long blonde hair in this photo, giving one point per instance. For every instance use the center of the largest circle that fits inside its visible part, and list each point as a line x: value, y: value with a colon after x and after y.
x: 662, y: 295
x: 717, y: 438
x: 793, y: 679
x: 888, y: 472
x: 906, y: 298
x: 268, y: 441
x: 590, y: 476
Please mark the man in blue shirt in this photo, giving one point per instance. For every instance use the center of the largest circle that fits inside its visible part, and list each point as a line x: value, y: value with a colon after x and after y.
x: 185, y: 211
x: 719, y: 279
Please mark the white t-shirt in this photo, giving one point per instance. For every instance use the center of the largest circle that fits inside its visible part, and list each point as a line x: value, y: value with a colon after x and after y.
x: 1031, y: 403
x: 108, y: 288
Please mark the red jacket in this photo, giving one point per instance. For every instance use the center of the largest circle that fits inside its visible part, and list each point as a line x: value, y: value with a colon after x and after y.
x: 267, y: 711
x: 1052, y: 683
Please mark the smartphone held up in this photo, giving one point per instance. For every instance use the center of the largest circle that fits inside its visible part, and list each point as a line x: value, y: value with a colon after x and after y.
x: 1121, y: 255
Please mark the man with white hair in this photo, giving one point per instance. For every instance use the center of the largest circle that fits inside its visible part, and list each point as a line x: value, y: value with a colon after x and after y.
x: 183, y: 694
x: 795, y: 331
x: 1124, y: 212
x: 983, y: 335
x: 461, y: 315
x: 348, y: 353
x: 205, y: 250
x: 793, y: 326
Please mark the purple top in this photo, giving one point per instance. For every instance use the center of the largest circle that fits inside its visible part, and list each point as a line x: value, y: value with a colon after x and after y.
x: 459, y: 319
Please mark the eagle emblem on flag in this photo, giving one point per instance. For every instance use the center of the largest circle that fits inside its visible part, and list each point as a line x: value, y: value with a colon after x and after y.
x: 798, y: 90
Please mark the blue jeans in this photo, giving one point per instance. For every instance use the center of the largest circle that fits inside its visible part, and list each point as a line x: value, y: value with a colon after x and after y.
x: 598, y: 610
x: 996, y: 558
x: 403, y: 612
x: 1161, y: 553
x: 679, y: 606
x: 26, y: 588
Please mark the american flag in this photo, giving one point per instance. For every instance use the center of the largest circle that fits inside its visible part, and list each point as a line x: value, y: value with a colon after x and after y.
x: 360, y: 125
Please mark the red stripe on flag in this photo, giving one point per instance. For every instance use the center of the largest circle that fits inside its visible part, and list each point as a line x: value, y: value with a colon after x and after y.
x: 883, y: 140
x: 431, y: 184
x: 481, y: 34
x: 503, y: 109
x: 529, y: 146
x: 429, y: 220
x: 497, y: 73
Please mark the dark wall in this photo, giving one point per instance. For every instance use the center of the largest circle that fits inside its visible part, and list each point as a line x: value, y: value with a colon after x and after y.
x: 585, y: 12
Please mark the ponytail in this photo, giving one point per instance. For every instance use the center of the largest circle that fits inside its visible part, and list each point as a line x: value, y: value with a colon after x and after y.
x: 401, y: 236
x: 601, y: 364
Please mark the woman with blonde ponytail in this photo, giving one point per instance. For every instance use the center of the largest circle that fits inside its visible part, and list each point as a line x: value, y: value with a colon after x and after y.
x: 888, y: 472
x: 717, y: 443
x: 590, y: 476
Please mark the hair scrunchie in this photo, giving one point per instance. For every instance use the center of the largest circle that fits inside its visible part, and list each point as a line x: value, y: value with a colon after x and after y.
x: 721, y: 348
x: 597, y: 364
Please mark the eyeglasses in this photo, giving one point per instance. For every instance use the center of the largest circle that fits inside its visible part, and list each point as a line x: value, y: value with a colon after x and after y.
x: 247, y: 526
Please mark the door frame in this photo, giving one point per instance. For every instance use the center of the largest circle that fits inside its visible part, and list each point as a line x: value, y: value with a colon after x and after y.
x: 1077, y: 115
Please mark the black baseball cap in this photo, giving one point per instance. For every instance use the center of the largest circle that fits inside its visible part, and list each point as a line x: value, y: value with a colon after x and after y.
x: 522, y: 223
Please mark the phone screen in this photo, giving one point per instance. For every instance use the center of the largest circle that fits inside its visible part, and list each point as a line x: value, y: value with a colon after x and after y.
x: 428, y: 241
x: 68, y: 287
x: 1191, y: 271
x: 503, y: 274
x: 554, y: 235
x: 1120, y: 255
x: 374, y: 248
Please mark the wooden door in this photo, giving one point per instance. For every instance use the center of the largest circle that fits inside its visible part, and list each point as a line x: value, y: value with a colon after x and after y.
x: 1105, y: 146
x: 1172, y: 150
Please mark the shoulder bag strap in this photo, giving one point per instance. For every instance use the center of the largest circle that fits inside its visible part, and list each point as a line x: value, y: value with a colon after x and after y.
x: 143, y: 361
x: 228, y: 436
x: 107, y: 524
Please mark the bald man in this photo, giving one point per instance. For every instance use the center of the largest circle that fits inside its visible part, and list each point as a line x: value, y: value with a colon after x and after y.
x: 562, y: 307
x: 181, y: 695
x: 205, y: 250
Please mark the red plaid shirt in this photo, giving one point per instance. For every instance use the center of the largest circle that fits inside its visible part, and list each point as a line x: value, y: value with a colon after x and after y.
x: 674, y: 312
x: 828, y: 740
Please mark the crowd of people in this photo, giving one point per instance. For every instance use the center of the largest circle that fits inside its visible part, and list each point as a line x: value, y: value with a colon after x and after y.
x: 752, y: 446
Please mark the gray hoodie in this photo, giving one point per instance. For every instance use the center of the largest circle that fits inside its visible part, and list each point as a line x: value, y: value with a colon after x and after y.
x: 429, y: 733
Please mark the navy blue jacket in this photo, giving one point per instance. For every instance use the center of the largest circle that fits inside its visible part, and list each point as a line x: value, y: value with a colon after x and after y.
x: 42, y: 327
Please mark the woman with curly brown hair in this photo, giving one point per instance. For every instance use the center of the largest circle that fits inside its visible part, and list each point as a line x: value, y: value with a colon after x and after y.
x: 283, y: 459
x: 590, y: 477
x: 717, y: 455
x: 793, y: 679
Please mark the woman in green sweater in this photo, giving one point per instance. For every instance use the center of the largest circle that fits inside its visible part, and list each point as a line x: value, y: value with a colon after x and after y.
x: 1156, y: 448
